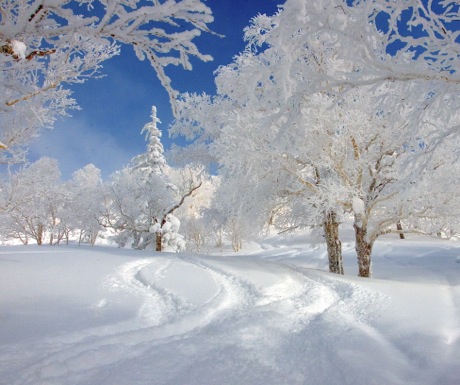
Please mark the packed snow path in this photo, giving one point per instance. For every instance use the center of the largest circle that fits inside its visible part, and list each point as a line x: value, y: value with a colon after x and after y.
x: 107, y: 316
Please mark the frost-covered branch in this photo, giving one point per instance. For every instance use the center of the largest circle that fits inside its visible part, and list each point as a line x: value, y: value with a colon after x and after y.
x: 47, y: 45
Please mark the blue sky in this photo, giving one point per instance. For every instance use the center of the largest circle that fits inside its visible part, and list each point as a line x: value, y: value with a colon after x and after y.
x: 106, y: 132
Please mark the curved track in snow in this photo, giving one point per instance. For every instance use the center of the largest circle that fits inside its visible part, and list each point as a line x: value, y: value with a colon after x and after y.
x: 224, y: 320
x: 170, y: 309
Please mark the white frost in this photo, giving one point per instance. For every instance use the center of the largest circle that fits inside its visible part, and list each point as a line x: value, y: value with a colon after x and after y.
x: 359, y: 207
x: 155, y: 228
x: 174, y: 221
x: 171, y: 240
x: 19, y: 48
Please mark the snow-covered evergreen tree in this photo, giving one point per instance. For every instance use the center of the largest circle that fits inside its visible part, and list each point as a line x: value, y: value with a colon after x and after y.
x: 141, y: 198
x: 135, y: 203
x: 153, y: 160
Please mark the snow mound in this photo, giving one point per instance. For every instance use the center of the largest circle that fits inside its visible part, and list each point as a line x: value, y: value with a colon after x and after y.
x: 77, y: 315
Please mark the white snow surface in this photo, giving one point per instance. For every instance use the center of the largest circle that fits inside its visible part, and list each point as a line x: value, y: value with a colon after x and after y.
x: 274, y: 315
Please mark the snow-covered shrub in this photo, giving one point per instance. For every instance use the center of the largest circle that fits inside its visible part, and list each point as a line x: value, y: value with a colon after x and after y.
x: 171, y: 240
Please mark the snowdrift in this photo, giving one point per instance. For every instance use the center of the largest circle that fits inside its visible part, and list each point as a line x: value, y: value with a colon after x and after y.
x: 100, y: 315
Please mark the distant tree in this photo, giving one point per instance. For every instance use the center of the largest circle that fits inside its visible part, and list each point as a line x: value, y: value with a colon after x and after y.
x: 134, y: 204
x: 194, y: 221
x: 195, y: 233
x: 34, y: 201
x: 237, y: 216
x: 438, y: 201
x: 167, y: 226
x: 153, y: 160
x: 141, y: 199
x: 47, y: 45
x: 86, y: 201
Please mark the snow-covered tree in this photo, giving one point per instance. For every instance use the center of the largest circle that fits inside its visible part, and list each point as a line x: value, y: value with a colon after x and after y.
x: 405, y: 50
x: 153, y: 160
x: 85, y: 206
x: 263, y: 156
x: 300, y: 108
x: 167, y: 225
x: 171, y: 240
x: 47, y: 45
x: 194, y: 221
x: 142, y: 198
x: 34, y: 201
x: 134, y: 204
x: 140, y: 208
x: 438, y: 185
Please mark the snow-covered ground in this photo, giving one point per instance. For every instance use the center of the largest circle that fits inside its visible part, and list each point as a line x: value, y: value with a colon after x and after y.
x: 106, y: 316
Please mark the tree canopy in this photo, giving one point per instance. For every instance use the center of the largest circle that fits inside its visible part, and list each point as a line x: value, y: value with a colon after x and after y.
x: 47, y: 45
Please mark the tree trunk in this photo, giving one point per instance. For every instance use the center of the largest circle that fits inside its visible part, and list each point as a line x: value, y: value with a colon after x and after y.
x: 363, y: 250
x: 220, y: 238
x: 25, y: 240
x: 159, y: 233
x: 334, y: 246
x: 158, y: 241
x: 237, y: 243
x: 80, y: 238
x: 40, y: 231
x: 93, y: 239
x: 136, y: 239
x: 400, y: 229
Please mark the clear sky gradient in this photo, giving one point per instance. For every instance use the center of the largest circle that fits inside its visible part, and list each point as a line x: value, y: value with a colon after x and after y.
x: 106, y: 132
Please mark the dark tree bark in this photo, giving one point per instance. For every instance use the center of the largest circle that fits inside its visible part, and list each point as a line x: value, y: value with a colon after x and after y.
x: 400, y: 229
x: 39, y: 234
x: 159, y: 234
x: 334, y: 246
x: 363, y: 249
x: 158, y: 237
